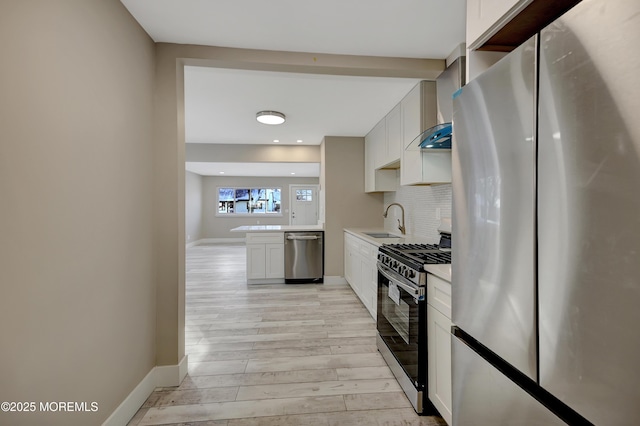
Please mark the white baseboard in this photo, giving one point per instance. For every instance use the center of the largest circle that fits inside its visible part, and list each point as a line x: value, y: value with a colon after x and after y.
x: 332, y: 280
x: 214, y: 241
x: 171, y: 375
x: 266, y: 281
x: 160, y: 376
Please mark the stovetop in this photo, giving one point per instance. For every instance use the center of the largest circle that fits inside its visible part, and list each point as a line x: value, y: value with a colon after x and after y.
x: 417, y: 255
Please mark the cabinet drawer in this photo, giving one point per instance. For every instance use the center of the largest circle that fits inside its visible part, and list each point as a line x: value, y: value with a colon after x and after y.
x: 265, y: 238
x: 439, y: 294
x: 370, y: 251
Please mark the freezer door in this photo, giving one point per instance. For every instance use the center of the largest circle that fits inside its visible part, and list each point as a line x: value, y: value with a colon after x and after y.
x: 589, y: 210
x: 493, y: 291
x: 482, y: 395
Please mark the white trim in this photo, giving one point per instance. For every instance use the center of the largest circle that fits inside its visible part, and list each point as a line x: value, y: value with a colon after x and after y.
x: 334, y: 280
x: 214, y: 241
x: 132, y: 403
x: 159, y: 376
x: 193, y: 243
x: 171, y: 375
x: 265, y: 281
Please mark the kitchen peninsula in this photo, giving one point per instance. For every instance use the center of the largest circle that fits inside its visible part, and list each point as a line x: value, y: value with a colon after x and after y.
x: 266, y: 256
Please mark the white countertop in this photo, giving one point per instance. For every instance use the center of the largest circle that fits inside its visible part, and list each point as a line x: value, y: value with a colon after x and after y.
x: 402, y: 239
x: 277, y: 228
x: 443, y: 271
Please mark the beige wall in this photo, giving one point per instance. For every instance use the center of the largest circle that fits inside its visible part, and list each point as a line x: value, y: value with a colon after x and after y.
x: 202, y: 152
x: 193, y: 206
x: 346, y: 203
x: 77, y: 309
x: 218, y: 226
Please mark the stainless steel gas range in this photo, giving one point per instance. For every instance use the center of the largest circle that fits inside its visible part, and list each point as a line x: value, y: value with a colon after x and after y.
x: 402, y: 314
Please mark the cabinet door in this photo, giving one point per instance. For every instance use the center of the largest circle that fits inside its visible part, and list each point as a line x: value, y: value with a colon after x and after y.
x: 369, y: 167
x: 439, y: 362
x: 378, y: 143
x: 356, y: 262
x: 348, y: 263
x: 274, y: 261
x: 256, y: 267
x: 365, y: 285
x: 394, y: 142
x: 370, y: 285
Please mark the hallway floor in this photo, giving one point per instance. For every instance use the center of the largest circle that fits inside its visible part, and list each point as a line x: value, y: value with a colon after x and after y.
x: 276, y: 355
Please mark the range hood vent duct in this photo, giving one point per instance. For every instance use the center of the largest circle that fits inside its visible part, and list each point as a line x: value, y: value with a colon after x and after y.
x: 448, y: 85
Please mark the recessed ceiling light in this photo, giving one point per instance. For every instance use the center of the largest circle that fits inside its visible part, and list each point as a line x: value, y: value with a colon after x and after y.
x: 221, y: 173
x: 299, y: 141
x: 276, y: 140
x: 270, y: 117
x: 292, y: 173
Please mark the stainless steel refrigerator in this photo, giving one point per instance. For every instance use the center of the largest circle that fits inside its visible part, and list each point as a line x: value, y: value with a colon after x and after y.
x: 546, y: 200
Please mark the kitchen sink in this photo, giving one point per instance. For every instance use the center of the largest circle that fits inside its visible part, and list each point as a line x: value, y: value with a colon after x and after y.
x: 381, y: 235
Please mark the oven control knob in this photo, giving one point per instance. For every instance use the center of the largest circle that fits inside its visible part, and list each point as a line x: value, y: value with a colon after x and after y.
x: 412, y: 273
x: 395, y: 264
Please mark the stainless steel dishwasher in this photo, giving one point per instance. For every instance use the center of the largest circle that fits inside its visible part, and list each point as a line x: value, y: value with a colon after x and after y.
x: 303, y: 257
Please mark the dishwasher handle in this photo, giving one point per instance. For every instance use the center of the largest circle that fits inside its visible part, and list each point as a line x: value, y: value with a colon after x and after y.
x: 303, y: 237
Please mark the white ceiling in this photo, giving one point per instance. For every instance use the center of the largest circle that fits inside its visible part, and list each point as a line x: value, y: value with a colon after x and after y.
x: 220, y: 104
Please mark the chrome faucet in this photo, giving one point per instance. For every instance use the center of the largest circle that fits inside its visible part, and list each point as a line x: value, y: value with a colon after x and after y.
x: 400, y: 225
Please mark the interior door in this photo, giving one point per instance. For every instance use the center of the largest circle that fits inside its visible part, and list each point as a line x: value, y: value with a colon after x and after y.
x: 304, y: 205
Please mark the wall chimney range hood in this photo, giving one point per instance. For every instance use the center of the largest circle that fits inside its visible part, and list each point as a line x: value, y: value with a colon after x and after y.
x: 447, y: 84
x: 436, y: 137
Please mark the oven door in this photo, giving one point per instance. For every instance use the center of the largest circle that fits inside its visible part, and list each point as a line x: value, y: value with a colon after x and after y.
x: 402, y: 323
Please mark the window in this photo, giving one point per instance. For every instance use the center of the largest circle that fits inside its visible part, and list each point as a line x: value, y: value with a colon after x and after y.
x: 304, y: 195
x: 248, y: 201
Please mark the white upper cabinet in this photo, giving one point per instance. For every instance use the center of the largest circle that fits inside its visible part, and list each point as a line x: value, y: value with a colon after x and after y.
x: 486, y: 17
x: 376, y: 154
x: 376, y: 143
x: 499, y: 26
x: 386, y: 139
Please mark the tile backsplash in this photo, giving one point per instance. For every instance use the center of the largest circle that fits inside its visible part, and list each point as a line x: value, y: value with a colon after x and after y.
x: 421, y: 204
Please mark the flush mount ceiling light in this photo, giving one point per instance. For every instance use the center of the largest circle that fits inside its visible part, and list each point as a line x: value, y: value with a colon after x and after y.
x: 270, y: 117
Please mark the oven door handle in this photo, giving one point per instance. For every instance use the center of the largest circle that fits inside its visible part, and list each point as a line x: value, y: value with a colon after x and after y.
x: 415, y: 291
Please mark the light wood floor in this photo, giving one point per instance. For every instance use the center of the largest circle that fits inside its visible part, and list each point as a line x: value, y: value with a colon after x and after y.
x: 276, y: 355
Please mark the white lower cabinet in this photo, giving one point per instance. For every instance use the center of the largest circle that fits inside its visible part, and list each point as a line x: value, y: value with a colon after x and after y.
x: 439, y: 345
x: 265, y: 257
x: 274, y: 261
x: 361, y: 271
